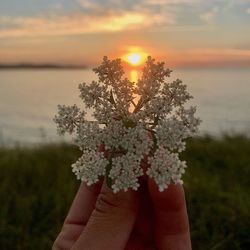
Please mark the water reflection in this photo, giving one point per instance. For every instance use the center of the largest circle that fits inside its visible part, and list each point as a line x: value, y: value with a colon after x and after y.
x: 134, y: 75
x: 29, y: 99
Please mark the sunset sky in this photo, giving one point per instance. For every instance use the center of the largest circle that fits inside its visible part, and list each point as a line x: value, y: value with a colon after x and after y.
x: 192, y: 33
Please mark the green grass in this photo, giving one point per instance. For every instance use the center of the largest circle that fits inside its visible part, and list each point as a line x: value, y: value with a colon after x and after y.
x: 37, y: 187
x: 217, y: 185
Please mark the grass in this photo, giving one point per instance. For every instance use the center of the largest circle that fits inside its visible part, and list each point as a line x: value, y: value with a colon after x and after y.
x: 217, y: 185
x: 37, y: 188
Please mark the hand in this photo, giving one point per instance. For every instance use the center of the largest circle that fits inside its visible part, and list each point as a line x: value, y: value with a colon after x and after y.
x: 147, y: 219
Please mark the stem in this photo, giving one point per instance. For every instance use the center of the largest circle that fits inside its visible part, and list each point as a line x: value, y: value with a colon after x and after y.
x: 108, y: 168
x: 111, y: 99
x: 139, y: 105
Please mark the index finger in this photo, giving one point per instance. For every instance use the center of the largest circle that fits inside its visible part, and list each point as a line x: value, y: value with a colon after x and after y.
x: 83, y: 204
x: 78, y: 216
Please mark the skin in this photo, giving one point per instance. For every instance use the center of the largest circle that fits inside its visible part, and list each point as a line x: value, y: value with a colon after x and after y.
x: 146, y: 219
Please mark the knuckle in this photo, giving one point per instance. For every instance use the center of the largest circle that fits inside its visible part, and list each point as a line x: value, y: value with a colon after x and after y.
x: 108, y: 202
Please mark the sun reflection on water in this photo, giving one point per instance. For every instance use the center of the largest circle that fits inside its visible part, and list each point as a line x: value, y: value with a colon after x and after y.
x: 134, y: 76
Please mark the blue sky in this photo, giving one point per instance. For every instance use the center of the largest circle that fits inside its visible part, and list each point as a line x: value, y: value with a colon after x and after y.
x: 187, y: 32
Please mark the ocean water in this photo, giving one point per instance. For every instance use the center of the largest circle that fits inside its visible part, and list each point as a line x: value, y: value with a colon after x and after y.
x: 29, y: 99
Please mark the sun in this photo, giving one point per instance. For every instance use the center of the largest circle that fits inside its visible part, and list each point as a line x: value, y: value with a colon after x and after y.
x: 135, y: 58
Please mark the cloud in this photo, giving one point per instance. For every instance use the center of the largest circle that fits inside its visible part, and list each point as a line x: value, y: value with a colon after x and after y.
x: 93, y: 16
x: 97, y: 16
x: 77, y: 23
x: 209, y: 16
x: 168, y: 2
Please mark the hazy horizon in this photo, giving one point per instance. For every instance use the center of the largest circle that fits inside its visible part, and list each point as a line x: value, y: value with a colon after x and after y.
x: 61, y: 66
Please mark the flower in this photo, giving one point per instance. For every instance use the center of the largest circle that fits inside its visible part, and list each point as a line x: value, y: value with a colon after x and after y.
x: 155, y: 126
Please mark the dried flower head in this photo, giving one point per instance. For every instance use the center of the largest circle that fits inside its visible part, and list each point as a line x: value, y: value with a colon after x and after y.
x: 154, y: 127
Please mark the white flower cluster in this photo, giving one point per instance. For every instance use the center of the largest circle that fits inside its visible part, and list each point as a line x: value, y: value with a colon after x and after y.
x: 125, y: 132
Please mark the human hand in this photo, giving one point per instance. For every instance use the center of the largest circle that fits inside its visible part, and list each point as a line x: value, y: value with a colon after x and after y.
x: 132, y: 220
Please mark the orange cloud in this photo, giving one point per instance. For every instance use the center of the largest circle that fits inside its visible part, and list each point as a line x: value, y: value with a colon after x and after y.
x: 77, y: 24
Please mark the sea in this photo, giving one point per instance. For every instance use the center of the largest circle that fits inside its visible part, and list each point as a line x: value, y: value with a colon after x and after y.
x: 29, y: 99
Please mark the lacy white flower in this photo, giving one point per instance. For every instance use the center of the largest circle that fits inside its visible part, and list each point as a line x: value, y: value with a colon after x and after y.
x: 124, y: 131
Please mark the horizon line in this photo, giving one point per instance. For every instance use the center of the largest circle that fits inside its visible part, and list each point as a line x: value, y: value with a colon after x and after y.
x: 195, y: 65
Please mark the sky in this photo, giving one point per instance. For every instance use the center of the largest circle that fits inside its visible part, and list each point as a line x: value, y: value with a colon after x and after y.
x: 185, y: 33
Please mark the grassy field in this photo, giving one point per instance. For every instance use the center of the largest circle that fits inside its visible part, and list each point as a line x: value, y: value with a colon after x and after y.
x: 37, y: 187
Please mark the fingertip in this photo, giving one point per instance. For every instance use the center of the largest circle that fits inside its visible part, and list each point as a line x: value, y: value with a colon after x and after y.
x: 171, y: 199
x: 122, y: 200
x: 83, y: 203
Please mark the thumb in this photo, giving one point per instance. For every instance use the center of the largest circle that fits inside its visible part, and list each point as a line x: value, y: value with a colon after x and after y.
x: 111, y: 221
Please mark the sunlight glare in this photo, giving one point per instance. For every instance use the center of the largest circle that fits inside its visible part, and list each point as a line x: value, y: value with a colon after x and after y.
x: 135, y: 56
